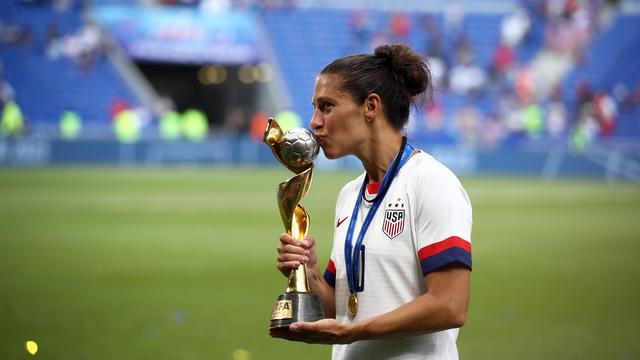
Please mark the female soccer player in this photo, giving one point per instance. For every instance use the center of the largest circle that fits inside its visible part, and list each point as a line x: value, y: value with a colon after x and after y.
x: 397, y: 283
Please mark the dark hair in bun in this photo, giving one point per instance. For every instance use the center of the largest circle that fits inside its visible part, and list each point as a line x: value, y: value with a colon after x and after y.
x: 395, y: 72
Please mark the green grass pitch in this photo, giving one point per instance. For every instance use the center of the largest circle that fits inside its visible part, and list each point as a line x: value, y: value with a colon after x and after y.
x: 180, y: 264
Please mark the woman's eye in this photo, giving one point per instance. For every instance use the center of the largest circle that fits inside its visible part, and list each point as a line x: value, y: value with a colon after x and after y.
x: 326, y: 107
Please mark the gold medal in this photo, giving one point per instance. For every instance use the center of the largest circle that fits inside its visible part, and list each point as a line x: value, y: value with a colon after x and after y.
x: 353, y: 305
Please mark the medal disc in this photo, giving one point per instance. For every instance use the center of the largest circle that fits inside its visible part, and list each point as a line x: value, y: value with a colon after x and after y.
x: 353, y: 305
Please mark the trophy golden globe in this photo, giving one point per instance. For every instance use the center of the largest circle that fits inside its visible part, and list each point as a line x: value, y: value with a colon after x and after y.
x: 296, y: 149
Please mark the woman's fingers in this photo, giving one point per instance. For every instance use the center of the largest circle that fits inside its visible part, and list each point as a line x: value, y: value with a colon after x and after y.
x: 292, y: 249
x: 307, y: 242
x: 291, y: 254
x: 287, y: 257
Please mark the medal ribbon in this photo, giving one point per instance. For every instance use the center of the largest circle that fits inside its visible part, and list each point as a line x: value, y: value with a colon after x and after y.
x: 351, y: 255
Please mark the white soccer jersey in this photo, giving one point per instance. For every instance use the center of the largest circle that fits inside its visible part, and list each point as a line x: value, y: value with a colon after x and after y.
x: 423, y: 223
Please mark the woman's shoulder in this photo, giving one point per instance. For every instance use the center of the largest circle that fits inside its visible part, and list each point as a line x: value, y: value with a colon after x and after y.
x: 424, y: 164
x: 423, y: 169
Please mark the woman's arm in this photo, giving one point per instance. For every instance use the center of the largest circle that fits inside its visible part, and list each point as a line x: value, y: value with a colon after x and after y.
x: 292, y: 253
x: 444, y: 306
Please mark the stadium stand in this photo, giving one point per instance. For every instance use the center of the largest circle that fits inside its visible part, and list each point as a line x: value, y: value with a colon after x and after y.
x: 610, y: 62
x: 49, y: 81
x: 304, y: 39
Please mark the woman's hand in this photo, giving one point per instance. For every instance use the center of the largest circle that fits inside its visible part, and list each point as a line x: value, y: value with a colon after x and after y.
x: 326, y: 331
x: 292, y: 253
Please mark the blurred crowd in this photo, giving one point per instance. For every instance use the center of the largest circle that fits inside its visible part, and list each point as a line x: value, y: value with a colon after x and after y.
x: 517, y: 94
x: 83, y: 44
x: 512, y: 96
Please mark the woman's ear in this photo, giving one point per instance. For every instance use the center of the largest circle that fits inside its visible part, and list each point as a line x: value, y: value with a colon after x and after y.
x: 372, y: 105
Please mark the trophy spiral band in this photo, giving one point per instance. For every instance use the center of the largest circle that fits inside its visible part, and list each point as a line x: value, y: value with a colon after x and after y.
x: 297, y: 303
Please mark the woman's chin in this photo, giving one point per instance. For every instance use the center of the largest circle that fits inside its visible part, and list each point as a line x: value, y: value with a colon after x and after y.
x: 329, y: 155
x: 334, y: 157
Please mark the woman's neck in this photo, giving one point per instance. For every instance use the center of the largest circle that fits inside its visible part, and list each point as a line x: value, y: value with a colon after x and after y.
x: 379, y: 153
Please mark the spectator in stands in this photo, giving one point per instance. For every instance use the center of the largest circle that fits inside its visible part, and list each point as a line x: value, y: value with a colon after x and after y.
x: 533, y: 120
x: 467, y: 78
x: 400, y: 27
x: 433, y: 116
x: 437, y: 63
x: 492, y: 132
x: 502, y: 62
x: 52, y: 41
x: 12, y: 120
x: 569, y: 29
x: 84, y: 46
x: 70, y: 125
x: 170, y: 126
x: 554, y: 9
x: 606, y: 112
x: 583, y: 92
x: 463, y: 51
x: 586, y: 126
x: 7, y: 93
x: 582, y: 133
x: 117, y: 105
x: 515, y: 27
x: 524, y: 84
x: 556, y: 119
x: 91, y: 45
x: 14, y: 34
x: 126, y: 126
x: 509, y: 112
x: 195, y: 125
x: 169, y: 120
x: 467, y: 122
x: 257, y: 125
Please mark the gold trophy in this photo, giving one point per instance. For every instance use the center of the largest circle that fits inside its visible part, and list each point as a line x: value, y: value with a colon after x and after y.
x: 296, y: 150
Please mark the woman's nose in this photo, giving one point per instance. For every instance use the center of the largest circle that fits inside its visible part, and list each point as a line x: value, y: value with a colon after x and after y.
x: 316, y: 122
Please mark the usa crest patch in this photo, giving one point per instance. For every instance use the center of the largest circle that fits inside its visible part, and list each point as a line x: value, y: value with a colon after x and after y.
x: 393, y: 223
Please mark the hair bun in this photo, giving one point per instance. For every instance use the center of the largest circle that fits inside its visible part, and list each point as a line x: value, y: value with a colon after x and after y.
x: 384, y: 51
x: 409, y: 69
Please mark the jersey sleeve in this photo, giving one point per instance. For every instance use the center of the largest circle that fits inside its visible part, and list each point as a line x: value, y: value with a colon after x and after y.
x: 330, y: 273
x: 443, y: 220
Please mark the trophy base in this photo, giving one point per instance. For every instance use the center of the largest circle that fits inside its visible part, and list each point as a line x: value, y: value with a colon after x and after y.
x: 290, y: 308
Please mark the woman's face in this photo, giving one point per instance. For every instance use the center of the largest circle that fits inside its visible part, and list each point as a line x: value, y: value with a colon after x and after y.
x: 338, y: 121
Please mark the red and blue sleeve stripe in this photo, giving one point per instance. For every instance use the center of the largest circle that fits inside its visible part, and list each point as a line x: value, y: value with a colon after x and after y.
x: 447, y: 251
x: 330, y: 274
